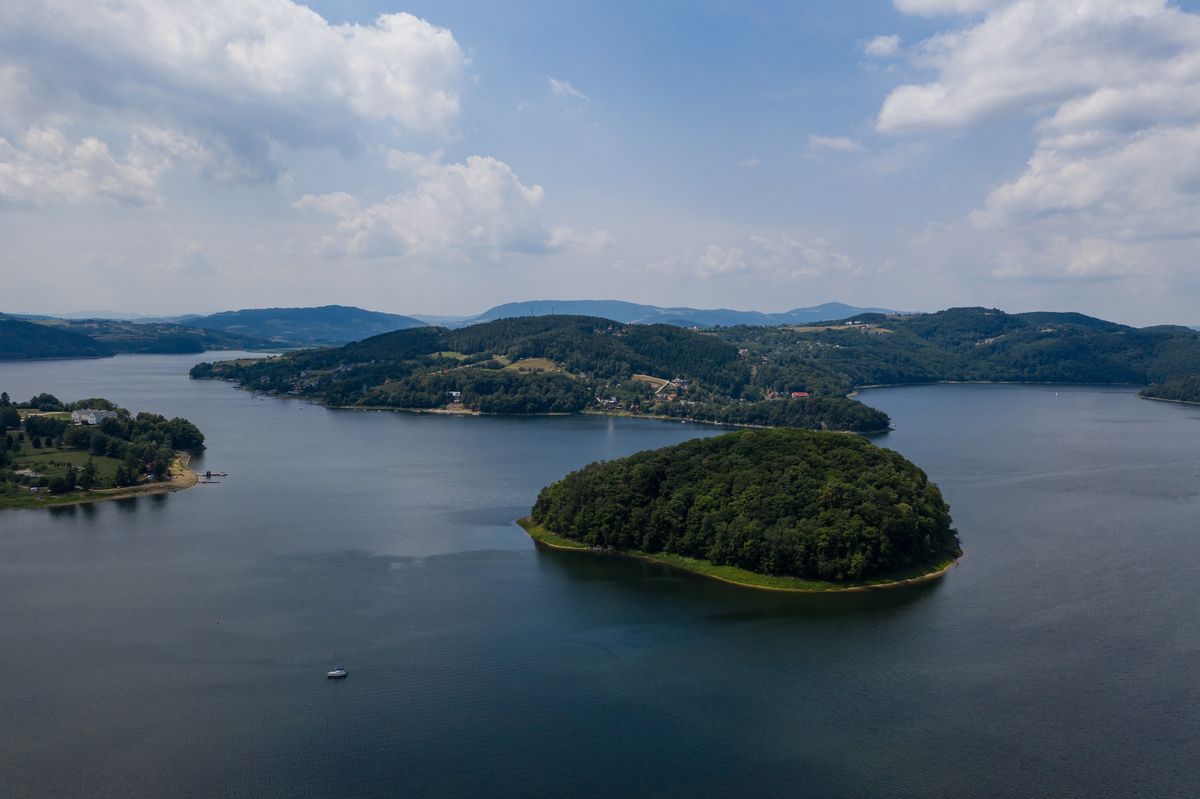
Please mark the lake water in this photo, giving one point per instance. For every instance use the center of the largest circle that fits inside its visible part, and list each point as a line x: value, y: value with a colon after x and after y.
x: 176, y: 645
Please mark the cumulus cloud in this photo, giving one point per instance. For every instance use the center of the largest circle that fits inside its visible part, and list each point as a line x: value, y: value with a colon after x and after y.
x: 564, y: 88
x: 46, y: 166
x: 1034, y: 55
x: 883, y: 46
x: 231, y: 78
x: 1112, y: 90
x: 477, y: 208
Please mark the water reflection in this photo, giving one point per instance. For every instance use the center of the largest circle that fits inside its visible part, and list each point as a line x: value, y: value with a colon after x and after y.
x: 744, y: 604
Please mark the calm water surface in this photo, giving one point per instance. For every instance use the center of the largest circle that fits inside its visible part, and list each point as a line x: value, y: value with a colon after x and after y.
x: 176, y: 645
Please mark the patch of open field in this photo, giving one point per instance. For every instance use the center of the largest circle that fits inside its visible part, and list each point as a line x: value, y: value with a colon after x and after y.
x: 39, y: 460
x: 823, y: 328
x: 534, y: 365
x: 657, y: 382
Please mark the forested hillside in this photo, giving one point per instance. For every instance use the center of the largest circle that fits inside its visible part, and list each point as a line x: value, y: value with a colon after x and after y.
x: 792, y: 375
x: 779, y: 502
x: 27, y: 340
x: 964, y: 344
x: 328, y: 324
x: 1185, y: 388
x: 547, y: 364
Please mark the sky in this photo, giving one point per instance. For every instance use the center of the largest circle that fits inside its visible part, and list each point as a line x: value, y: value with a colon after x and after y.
x: 440, y: 157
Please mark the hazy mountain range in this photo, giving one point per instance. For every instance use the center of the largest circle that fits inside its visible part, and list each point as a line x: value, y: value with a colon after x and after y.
x: 338, y: 324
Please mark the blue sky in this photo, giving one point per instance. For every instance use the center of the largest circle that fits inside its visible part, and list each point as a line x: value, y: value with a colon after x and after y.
x: 441, y: 157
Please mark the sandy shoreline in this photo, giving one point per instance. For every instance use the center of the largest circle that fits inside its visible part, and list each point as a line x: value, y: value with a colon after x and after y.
x: 182, y: 478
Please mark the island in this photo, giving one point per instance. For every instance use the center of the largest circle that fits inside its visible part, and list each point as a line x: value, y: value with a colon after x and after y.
x: 56, y: 453
x: 782, y: 509
x: 1183, y: 388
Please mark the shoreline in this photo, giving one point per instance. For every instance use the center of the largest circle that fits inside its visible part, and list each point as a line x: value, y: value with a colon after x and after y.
x: 182, y: 478
x: 551, y: 540
x: 1164, y: 399
x: 446, y: 411
x: 856, y: 389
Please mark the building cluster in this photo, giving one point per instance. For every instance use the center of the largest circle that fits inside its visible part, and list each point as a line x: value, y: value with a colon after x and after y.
x: 92, y: 416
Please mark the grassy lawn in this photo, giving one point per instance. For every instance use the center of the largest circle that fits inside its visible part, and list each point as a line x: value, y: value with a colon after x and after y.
x: 541, y: 534
x: 732, y: 574
x: 39, y: 460
x: 657, y: 382
x: 533, y: 365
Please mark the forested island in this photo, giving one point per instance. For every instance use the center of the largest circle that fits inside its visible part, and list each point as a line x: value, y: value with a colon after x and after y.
x: 784, y: 509
x: 55, y: 453
x: 1184, y: 388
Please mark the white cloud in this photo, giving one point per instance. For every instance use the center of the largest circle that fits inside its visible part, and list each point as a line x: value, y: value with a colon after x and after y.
x: 929, y: 8
x: 1035, y: 55
x: 748, y: 163
x: 46, y: 166
x: 838, y: 144
x: 777, y: 258
x: 564, y: 88
x: 189, y: 259
x: 721, y: 261
x: 883, y: 46
x: 1112, y: 89
x: 231, y: 78
x: 478, y: 208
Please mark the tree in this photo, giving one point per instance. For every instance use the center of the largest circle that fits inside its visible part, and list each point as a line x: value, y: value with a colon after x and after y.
x: 87, y: 477
x: 9, y: 417
x: 5, y: 401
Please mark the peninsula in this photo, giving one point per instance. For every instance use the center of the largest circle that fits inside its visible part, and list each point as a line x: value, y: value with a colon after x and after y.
x: 759, y: 376
x: 1183, y: 388
x: 778, y: 509
x: 55, y: 453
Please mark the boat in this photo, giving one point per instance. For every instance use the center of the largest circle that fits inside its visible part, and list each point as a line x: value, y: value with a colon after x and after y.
x: 336, y: 674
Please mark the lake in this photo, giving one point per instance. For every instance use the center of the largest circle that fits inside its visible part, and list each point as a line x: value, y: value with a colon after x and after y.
x: 176, y: 645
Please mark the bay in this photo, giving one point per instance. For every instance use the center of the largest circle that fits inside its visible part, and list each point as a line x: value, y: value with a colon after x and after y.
x: 176, y: 645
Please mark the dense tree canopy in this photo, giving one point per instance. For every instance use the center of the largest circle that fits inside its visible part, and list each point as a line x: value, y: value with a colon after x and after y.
x: 788, y: 502
x: 1185, y: 388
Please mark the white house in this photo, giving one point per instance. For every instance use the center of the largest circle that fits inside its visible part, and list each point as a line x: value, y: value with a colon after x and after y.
x: 91, y: 416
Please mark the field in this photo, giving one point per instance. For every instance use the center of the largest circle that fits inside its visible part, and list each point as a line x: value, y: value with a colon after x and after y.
x: 657, y: 383
x: 40, y: 461
x: 527, y: 365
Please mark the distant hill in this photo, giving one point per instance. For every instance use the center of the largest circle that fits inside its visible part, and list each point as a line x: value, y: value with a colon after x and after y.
x: 156, y: 337
x: 634, y: 313
x: 328, y: 324
x: 971, y: 344
x: 21, y: 340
